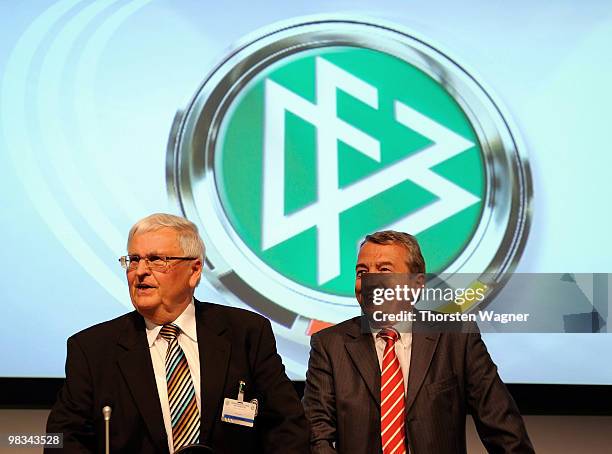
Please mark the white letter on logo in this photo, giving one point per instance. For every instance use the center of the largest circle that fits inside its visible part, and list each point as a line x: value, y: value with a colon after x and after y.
x: 324, y: 213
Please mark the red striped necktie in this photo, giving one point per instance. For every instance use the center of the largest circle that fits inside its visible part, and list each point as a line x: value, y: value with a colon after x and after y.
x: 181, y: 393
x: 392, y: 404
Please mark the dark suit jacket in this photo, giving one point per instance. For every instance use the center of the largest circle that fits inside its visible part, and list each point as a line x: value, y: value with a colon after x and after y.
x: 450, y: 374
x: 110, y: 364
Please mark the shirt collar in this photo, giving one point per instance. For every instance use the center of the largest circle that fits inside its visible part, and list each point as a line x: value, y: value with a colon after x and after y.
x: 186, y: 322
x: 403, y: 339
x: 404, y: 329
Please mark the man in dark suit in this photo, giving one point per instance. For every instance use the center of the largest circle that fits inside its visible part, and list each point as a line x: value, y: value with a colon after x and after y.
x: 166, y: 368
x: 430, y: 380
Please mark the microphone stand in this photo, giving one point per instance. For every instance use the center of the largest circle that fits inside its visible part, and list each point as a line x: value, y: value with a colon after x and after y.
x: 106, y: 412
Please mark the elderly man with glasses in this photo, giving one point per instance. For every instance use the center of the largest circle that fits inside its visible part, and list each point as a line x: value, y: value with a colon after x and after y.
x: 165, y: 371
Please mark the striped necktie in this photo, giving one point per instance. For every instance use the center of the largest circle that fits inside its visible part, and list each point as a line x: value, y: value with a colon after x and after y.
x: 181, y: 393
x: 392, y: 405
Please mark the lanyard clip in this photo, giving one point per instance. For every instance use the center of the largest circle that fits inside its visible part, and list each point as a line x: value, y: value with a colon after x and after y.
x: 241, y: 387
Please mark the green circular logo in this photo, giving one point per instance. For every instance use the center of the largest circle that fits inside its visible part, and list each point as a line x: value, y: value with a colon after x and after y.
x: 331, y: 144
x: 311, y: 135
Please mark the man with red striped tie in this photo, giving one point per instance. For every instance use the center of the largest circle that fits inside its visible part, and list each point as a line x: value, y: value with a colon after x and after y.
x: 383, y: 391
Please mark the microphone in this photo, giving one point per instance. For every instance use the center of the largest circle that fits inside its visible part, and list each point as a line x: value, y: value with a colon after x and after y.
x: 106, y: 412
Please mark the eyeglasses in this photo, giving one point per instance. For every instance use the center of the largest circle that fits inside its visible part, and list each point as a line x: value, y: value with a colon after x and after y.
x: 153, y: 262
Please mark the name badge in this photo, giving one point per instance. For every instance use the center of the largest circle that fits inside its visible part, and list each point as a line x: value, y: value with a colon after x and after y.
x: 238, y: 412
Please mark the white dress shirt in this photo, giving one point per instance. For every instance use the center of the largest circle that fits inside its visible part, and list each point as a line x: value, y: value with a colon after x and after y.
x: 158, y: 346
x: 403, y: 349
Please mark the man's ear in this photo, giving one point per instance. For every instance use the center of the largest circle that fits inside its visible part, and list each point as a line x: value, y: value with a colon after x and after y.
x: 359, y: 296
x: 420, y: 280
x: 196, y: 273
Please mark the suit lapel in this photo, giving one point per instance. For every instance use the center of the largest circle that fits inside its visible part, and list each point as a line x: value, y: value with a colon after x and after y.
x: 360, y: 347
x: 137, y: 369
x: 214, y: 346
x: 423, y: 348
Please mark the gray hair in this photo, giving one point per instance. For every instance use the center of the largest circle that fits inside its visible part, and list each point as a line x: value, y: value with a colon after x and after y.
x: 187, y: 232
x: 414, y: 258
